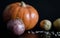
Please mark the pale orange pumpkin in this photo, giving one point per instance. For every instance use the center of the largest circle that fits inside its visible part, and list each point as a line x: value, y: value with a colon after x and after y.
x: 26, y: 12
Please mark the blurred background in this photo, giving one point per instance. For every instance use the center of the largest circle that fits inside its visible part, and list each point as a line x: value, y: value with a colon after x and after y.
x: 47, y: 9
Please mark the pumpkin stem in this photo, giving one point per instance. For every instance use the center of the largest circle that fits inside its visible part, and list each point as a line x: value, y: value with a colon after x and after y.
x: 23, y: 4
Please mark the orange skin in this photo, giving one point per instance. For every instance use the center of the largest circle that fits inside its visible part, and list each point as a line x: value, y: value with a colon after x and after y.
x: 42, y: 24
x: 27, y: 13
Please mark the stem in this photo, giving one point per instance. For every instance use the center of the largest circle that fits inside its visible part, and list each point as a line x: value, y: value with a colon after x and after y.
x: 23, y: 4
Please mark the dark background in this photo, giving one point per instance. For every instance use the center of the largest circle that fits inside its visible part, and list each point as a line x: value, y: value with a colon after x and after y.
x: 47, y: 9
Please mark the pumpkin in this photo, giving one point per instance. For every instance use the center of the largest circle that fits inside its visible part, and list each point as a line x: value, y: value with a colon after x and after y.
x: 56, y: 24
x: 16, y: 26
x: 46, y: 24
x: 26, y: 12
